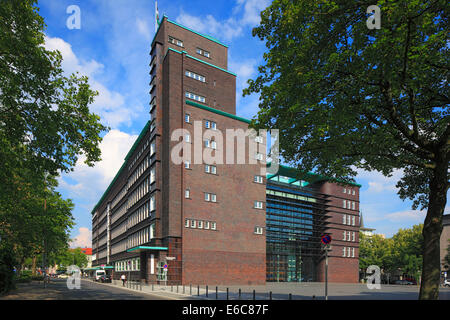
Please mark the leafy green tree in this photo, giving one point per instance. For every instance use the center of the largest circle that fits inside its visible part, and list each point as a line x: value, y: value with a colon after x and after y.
x: 407, y: 250
x: 71, y: 257
x: 375, y: 250
x: 346, y: 97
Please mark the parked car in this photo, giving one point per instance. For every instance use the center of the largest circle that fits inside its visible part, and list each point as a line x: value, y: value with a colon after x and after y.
x: 62, y: 276
x: 99, y: 274
x: 105, y: 278
x: 446, y: 283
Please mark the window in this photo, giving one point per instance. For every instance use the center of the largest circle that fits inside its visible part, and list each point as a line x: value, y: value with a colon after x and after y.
x: 210, y: 197
x: 213, y: 169
x: 344, y: 234
x: 259, y: 156
x: 353, y: 220
x: 345, y: 190
x: 343, y: 251
x: 353, y: 236
x: 353, y: 252
x: 348, y: 220
x: 213, y: 144
x: 353, y: 205
x: 207, y: 168
x: 175, y: 41
x: 213, y: 125
x: 207, y: 225
x: 258, y: 205
x: 187, y: 193
x: 353, y: 192
x: 258, y: 179
x: 187, y: 137
x: 207, y: 124
x: 207, y: 143
x: 152, y: 174
x: 344, y: 219
x: 203, y: 52
x: 187, y: 118
x: 200, y: 224
x: 348, y: 235
x: 187, y: 165
x: 344, y: 203
x: 152, y: 147
x: 210, y: 125
x: 195, y: 76
x: 192, y: 96
x: 213, y: 226
x: 186, y: 223
x: 192, y: 223
x: 259, y: 139
x: 258, y: 230
x: 152, y: 203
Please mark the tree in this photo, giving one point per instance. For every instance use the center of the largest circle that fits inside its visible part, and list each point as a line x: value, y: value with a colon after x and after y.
x: 407, y: 250
x: 375, y: 250
x: 346, y: 97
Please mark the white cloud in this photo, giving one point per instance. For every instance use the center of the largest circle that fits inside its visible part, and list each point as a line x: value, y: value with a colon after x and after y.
x: 406, y: 216
x: 109, y: 105
x: 90, y: 182
x: 143, y: 28
x: 246, y: 13
x: 83, y: 239
x: 377, y: 182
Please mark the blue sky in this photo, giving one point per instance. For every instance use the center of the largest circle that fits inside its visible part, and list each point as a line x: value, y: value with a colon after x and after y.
x: 112, y: 48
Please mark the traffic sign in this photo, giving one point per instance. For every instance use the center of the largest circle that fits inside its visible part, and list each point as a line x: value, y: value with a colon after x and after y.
x: 326, y: 239
x: 165, y: 266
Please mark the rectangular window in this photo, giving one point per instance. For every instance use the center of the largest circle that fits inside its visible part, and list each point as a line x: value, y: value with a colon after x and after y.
x: 213, y: 226
x: 187, y: 137
x: 213, y: 144
x: 353, y: 236
x: 344, y: 219
x: 344, y: 204
x: 187, y: 164
x: 175, y: 41
x: 187, y: 118
x: 206, y: 224
x: 213, y: 169
x: 345, y: 190
x: 152, y: 147
x: 353, y: 205
x: 259, y: 156
x: 348, y: 236
x: 207, y: 124
x: 348, y: 220
x: 343, y: 251
x: 344, y: 234
x: 353, y: 191
x: 152, y: 203
x: 200, y: 224
x: 258, y: 204
x: 187, y: 193
x: 213, y: 125
x: 213, y: 197
x: 207, y: 143
x: 207, y: 196
x: 259, y: 139
x: 196, y: 97
x: 353, y: 252
x: 258, y: 179
x: 203, y: 52
x: 186, y: 223
x: 258, y: 230
x: 152, y: 175
x: 207, y: 168
x: 195, y: 76
x: 353, y: 220
x: 192, y: 223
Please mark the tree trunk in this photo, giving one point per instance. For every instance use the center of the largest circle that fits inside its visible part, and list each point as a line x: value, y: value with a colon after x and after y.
x: 33, y: 266
x: 432, y: 229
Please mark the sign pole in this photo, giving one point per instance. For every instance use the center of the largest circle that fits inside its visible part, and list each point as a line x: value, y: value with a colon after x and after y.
x: 326, y: 273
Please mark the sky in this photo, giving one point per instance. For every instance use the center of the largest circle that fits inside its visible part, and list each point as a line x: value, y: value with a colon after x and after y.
x: 112, y: 48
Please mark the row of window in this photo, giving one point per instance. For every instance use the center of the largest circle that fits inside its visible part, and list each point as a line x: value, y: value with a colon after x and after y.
x: 348, y: 252
x: 289, y: 195
x: 138, y: 155
x: 195, y: 76
x: 348, y: 220
x: 128, y: 265
x: 200, y: 224
x: 140, y: 237
x: 139, y: 171
x: 119, y: 197
x: 142, y: 213
x: 346, y: 236
x: 203, y: 52
x: 139, y: 192
x: 195, y: 97
x: 180, y: 43
x: 348, y: 204
x: 349, y: 191
x: 176, y: 41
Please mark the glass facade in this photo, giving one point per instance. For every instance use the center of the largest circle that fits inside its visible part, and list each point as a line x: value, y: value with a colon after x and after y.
x: 295, y: 221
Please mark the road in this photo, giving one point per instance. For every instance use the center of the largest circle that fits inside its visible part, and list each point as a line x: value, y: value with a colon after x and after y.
x: 57, y: 290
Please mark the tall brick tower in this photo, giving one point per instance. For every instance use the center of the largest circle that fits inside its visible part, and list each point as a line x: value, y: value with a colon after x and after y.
x: 209, y: 232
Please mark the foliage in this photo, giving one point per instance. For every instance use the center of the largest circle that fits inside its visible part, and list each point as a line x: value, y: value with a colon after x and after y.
x: 7, y: 263
x: 71, y: 257
x: 345, y: 97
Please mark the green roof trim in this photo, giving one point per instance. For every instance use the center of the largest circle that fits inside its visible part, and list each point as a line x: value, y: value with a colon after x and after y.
x: 222, y: 113
x: 200, y: 34
x: 141, y: 135
x: 309, y: 177
x: 147, y: 248
x: 199, y: 60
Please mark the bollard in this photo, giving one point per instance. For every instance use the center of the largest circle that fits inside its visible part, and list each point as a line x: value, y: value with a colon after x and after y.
x: 183, y: 288
x: 227, y: 293
x: 207, y: 291
x: 270, y: 295
x: 290, y: 296
x: 239, y: 294
x: 198, y: 290
x: 190, y: 289
x: 217, y: 295
x: 254, y: 294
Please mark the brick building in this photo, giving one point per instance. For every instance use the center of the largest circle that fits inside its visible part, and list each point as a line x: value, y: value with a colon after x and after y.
x: 170, y: 217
